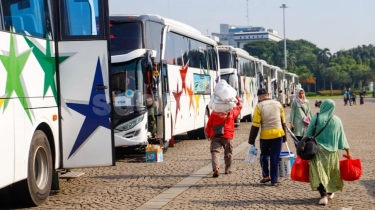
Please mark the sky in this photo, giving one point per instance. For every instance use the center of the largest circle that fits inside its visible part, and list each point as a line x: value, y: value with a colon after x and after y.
x: 333, y: 24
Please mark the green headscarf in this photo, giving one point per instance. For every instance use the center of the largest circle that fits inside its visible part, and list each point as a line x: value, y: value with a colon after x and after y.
x: 332, y: 138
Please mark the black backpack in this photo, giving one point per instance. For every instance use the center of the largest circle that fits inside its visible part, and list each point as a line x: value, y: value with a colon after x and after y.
x: 308, y: 146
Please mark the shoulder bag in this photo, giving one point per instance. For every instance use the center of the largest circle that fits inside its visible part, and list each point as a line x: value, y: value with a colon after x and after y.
x: 219, y: 129
x: 308, y: 146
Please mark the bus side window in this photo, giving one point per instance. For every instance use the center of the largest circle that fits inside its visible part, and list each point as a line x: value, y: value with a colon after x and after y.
x: 82, y: 18
x: 26, y: 17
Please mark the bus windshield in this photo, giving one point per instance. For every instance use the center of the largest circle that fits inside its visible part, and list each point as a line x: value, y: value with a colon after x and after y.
x: 128, y: 83
x: 224, y: 58
x: 125, y: 37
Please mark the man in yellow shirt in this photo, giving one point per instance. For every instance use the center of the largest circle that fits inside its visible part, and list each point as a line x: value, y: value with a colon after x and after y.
x: 269, y: 116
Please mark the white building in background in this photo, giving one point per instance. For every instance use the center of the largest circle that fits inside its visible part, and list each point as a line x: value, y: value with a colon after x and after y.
x: 238, y: 36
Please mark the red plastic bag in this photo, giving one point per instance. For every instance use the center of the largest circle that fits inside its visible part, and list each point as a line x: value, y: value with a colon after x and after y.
x: 300, y: 170
x: 350, y: 169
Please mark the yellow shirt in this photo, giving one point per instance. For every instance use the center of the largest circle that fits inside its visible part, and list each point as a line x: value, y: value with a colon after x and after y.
x: 270, y: 128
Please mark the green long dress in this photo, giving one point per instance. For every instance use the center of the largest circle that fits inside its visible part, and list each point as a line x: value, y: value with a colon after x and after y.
x: 296, y: 116
x: 324, y: 167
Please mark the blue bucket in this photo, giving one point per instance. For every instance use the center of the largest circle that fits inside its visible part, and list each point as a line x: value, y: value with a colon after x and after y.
x: 286, y: 161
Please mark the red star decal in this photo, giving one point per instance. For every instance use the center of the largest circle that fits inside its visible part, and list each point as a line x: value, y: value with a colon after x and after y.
x: 177, y: 96
x: 183, y: 71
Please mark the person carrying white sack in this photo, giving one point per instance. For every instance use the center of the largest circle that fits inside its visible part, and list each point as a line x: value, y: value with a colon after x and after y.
x: 224, y: 97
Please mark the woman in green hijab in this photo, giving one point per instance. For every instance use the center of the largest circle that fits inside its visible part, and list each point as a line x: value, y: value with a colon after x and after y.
x: 324, y: 167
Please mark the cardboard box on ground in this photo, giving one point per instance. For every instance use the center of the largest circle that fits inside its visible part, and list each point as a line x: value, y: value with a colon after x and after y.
x: 154, y: 153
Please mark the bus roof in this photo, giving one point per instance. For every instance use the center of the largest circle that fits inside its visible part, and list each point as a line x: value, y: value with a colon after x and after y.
x: 156, y: 18
x: 174, y: 25
x: 239, y: 51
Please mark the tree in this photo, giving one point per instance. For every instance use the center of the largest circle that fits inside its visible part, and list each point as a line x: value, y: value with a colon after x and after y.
x: 331, y: 74
x: 323, y: 58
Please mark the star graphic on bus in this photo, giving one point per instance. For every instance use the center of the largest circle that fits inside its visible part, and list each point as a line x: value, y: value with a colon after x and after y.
x: 14, y: 65
x: 191, y: 93
x: 183, y: 71
x: 177, y: 96
x: 48, y: 63
x: 96, y: 112
x: 1, y: 102
x: 196, y: 98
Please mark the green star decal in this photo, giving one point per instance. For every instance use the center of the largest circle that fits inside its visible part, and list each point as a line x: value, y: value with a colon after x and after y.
x: 14, y: 65
x: 48, y: 64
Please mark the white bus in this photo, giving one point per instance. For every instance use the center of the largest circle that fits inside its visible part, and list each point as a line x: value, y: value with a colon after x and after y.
x: 187, y: 69
x: 54, y: 97
x: 238, y: 68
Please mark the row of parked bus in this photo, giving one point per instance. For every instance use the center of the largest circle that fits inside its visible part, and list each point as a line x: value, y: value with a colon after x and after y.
x: 75, y: 83
x: 189, y: 65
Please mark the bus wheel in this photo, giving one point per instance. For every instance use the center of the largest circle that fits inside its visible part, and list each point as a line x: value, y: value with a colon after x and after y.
x: 192, y: 134
x: 39, y: 173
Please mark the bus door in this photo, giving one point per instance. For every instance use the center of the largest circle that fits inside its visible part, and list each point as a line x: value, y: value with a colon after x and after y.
x: 86, y: 136
x: 165, y: 118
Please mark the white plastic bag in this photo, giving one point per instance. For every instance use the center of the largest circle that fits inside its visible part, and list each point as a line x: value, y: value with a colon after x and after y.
x: 219, y: 105
x: 251, y: 154
x: 225, y: 91
x: 224, y: 98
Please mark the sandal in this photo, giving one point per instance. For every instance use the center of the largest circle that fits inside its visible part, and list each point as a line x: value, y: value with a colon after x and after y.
x: 216, y: 173
x: 265, y: 180
x: 228, y: 172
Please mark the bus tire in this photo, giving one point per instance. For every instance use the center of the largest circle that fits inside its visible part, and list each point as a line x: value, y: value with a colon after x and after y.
x: 192, y: 134
x: 39, y: 172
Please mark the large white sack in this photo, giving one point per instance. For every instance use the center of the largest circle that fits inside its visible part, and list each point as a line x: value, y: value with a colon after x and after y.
x: 218, y: 105
x: 225, y: 91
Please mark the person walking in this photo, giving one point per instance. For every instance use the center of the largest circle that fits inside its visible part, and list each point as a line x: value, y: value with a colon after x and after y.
x: 361, y: 98
x: 269, y: 117
x: 353, y: 98
x: 324, y: 167
x: 225, y: 141
x: 300, y: 114
x: 348, y: 97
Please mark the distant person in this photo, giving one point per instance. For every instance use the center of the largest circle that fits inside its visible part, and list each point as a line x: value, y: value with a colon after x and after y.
x: 348, y: 98
x: 361, y: 98
x: 225, y: 141
x: 269, y: 118
x: 324, y: 167
x: 353, y: 98
x: 300, y: 114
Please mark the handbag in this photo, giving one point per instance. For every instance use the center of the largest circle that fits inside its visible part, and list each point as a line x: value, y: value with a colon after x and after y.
x: 219, y: 129
x: 350, y: 169
x: 305, y: 119
x: 308, y: 146
x: 300, y: 170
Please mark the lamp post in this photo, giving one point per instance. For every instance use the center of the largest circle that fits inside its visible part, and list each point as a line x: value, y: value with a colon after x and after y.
x: 285, y: 61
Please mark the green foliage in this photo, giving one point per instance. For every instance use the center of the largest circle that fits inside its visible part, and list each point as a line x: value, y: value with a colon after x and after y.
x: 334, y: 92
x: 353, y: 68
x: 308, y: 94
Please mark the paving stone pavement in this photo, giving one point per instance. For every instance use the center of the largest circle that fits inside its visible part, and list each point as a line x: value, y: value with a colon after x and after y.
x: 132, y: 182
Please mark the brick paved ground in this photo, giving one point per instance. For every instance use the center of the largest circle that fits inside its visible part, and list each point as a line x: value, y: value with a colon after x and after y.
x: 132, y: 182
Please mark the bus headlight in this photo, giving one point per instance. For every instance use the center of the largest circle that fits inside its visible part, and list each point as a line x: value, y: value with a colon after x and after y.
x: 128, y: 125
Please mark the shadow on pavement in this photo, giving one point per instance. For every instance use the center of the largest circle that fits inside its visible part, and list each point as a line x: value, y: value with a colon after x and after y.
x: 132, y: 176
x: 370, y: 186
x: 242, y: 203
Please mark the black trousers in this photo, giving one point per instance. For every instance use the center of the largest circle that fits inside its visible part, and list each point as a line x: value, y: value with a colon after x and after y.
x: 323, y: 191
